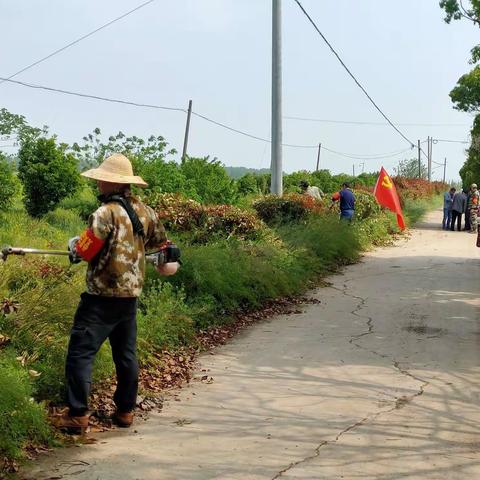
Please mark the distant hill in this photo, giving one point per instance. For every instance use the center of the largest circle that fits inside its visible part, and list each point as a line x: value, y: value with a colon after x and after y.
x: 237, y: 172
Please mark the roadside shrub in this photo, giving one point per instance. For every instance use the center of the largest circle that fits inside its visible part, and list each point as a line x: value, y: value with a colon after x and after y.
x: 365, y: 205
x: 48, y: 174
x: 417, y: 188
x: 205, y: 222
x: 9, y: 182
x: 289, y: 208
x: 22, y: 421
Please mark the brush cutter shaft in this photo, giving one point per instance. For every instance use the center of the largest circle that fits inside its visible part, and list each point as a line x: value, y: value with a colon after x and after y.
x: 6, y: 251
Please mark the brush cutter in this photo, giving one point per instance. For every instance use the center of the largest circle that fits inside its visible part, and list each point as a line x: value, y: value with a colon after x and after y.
x: 169, y: 253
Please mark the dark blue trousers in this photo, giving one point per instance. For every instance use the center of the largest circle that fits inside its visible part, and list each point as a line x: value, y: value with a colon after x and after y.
x: 98, y: 318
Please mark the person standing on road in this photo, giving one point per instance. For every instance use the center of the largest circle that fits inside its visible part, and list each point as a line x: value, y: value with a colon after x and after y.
x: 311, y: 191
x: 447, y: 208
x: 346, y: 198
x: 114, y: 245
x: 473, y: 204
x: 459, y: 206
x: 467, y: 211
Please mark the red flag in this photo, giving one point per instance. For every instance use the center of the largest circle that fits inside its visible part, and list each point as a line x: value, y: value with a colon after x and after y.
x: 386, y: 195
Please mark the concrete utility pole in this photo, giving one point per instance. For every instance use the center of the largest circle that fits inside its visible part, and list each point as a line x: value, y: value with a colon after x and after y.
x: 276, y: 186
x: 187, y: 131
x: 353, y: 166
x: 419, y: 160
x: 318, y: 156
x: 444, y: 169
x: 429, y: 155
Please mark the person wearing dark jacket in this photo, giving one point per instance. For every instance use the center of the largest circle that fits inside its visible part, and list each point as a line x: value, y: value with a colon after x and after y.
x: 346, y: 199
x: 459, y: 206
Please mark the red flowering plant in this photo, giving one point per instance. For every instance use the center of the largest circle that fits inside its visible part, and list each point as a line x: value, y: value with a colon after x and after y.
x: 205, y: 221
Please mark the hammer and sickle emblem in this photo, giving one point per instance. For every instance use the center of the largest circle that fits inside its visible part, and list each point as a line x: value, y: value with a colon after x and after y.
x: 386, y: 182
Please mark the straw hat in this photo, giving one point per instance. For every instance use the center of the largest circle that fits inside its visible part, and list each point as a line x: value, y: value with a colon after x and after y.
x: 115, y: 169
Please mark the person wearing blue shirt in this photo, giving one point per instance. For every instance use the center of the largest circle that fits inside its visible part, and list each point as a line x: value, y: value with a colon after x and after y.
x: 447, y: 208
x: 346, y: 198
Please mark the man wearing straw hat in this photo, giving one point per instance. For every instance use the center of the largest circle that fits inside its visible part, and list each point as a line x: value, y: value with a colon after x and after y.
x: 114, y: 244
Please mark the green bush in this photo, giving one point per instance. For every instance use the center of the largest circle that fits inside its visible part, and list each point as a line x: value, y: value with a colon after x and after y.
x: 365, y: 205
x: 289, y: 208
x: 10, y: 185
x: 84, y: 202
x: 22, y: 421
x: 48, y: 174
x: 209, y: 180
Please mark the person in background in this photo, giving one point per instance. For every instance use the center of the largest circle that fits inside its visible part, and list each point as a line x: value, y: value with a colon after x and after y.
x: 459, y: 207
x: 311, y: 191
x: 467, y: 211
x: 346, y: 199
x: 447, y: 208
x: 472, y: 206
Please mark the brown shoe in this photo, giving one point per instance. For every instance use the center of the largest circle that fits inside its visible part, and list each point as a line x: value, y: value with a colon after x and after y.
x: 71, y: 425
x: 123, y: 419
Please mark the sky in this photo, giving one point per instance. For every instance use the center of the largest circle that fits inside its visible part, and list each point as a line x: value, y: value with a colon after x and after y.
x: 218, y: 53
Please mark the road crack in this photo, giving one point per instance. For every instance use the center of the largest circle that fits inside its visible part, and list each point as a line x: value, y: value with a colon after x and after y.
x: 399, y: 402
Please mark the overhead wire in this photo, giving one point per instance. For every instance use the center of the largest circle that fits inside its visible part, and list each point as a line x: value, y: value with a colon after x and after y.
x: 78, y: 40
x: 360, y: 122
x: 94, y: 97
x: 220, y: 124
x: 203, y: 117
x: 353, y: 76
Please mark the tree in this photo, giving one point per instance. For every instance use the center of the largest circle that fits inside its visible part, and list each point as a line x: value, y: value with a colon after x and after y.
x: 456, y: 10
x: 209, y: 179
x: 13, y: 124
x: 48, y: 174
x: 247, y: 184
x: 470, y: 171
x: 94, y: 149
x: 9, y: 182
x: 466, y: 95
x: 409, y: 168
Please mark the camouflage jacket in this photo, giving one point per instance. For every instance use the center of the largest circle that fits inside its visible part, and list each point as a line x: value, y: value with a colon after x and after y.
x: 473, y: 199
x: 118, y: 269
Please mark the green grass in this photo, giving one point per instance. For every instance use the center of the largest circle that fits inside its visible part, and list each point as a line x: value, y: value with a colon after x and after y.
x: 22, y: 420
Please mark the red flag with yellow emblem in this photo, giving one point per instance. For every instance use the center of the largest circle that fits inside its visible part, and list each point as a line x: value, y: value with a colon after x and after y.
x: 386, y: 195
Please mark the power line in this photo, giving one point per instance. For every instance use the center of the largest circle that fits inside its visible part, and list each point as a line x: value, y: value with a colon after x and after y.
x: 94, y: 97
x: 354, y: 122
x: 199, y: 115
x: 78, y: 40
x: 352, y: 75
x: 227, y: 127
x: 367, y: 157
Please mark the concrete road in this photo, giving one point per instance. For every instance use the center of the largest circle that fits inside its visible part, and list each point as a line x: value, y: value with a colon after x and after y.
x: 379, y: 381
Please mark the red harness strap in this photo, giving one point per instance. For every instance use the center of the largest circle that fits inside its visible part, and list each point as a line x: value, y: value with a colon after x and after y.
x: 89, y: 245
